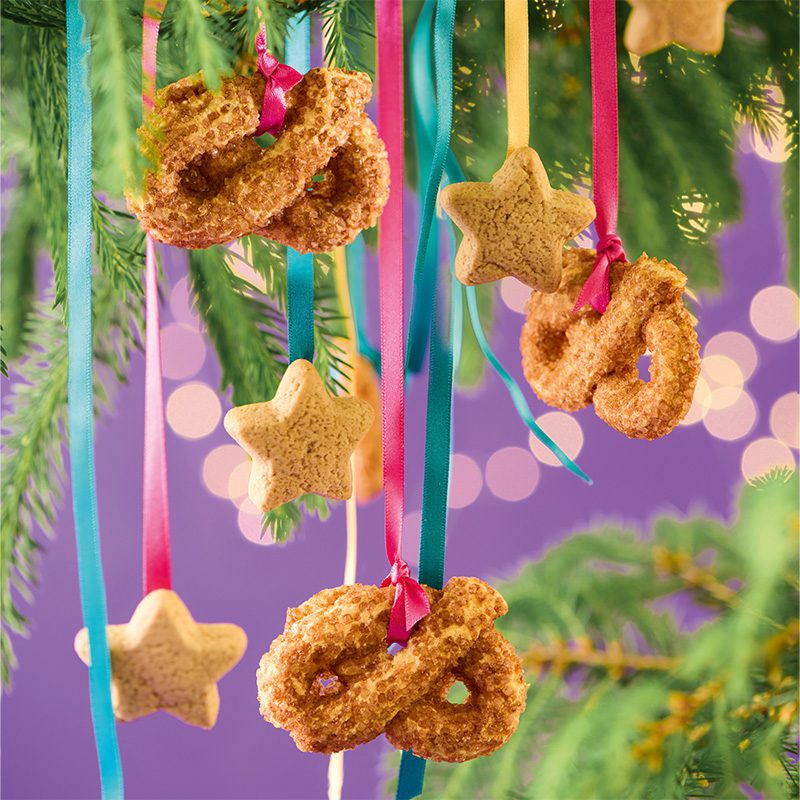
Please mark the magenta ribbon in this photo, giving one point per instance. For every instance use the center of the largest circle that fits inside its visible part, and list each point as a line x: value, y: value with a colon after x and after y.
x: 155, y: 522
x: 155, y: 525
x: 605, y: 153
x: 279, y: 78
x: 410, y: 601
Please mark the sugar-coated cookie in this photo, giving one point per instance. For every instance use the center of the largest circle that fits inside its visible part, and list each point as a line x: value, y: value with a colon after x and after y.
x: 213, y: 183
x: 573, y: 359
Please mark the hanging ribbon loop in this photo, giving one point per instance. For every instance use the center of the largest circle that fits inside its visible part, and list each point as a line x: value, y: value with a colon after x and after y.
x: 605, y: 153
x: 410, y: 602
x: 279, y: 78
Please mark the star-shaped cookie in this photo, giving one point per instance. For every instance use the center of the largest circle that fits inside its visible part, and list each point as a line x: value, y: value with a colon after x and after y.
x: 694, y: 24
x: 301, y: 441
x: 164, y: 660
x: 516, y: 225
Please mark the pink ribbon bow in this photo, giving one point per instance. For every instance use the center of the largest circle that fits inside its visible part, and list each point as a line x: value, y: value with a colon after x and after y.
x: 595, y: 291
x: 410, y: 603
x: 279, y: 78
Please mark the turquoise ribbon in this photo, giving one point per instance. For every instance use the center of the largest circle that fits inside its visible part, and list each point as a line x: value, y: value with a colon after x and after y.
x: 358, y: 301
x: 427, y: 256
x: 299, y: 266
x: 81, y: 403
x: 426, y: 309
x: 516, y: 393
x: 455, y: 174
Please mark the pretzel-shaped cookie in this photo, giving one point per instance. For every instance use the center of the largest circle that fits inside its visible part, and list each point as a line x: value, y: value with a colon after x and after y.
x: 324, y: 179
x: 329, y: 680
x: 571, y: 360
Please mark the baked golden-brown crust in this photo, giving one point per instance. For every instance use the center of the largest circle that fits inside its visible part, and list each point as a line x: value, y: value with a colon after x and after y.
x: 301, y: 441
x: 696, y: 24
x: 516, y: 224
x: 213, y: 183
x: 163, y: 660
x: 571, y: 360
x: 329, y: 680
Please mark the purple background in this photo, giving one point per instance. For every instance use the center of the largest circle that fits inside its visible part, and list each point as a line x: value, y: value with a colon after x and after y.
x: 48, y: 750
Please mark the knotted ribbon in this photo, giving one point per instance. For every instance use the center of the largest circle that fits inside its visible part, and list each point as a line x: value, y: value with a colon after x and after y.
x: 410, y: 602
x: 279, y: 78
x: 605, y: 153
x: 80, y: 395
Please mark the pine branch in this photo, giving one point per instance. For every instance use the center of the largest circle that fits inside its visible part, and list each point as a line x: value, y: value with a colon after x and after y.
x: 33, y: 444
x: 247, y: 332
x: 199, y: 25
x: 622, y: 703
x: 116, y: 82
x: 19, y: 250
x: 41, y: 13
x: 348, y: 29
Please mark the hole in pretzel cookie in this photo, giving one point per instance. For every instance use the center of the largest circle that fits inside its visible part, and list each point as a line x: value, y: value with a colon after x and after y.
x: 458, y: 693
x: 643, y: 366
x: 327, y: 683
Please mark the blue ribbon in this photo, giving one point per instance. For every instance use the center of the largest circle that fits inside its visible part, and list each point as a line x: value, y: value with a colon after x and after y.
x: 427, y: 255
x: 426, y: 309
x: 516, y: 393
x: 299, y: 266
x: 81, y: 403
x: 358, y: 301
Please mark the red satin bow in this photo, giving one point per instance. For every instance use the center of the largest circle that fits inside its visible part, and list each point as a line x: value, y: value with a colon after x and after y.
x: 595, y: 291
x: 410, y: 603
x: 279, y: 78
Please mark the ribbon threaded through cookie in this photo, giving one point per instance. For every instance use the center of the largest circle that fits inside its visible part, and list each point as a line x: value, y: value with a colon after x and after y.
x: 329, y: 681
x: 605, y: 153
x: 410, y: 602
x: 278, y: 79
x: 571, y: 360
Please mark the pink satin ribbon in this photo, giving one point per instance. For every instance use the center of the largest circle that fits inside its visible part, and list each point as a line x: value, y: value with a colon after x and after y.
x: 605, y: 153
x: 410, y: 601
x: 155, y: 526
x: 279, y: 78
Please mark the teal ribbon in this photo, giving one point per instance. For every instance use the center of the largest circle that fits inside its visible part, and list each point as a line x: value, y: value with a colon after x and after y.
x: 432, y: 123
x: 81, y: 402
x: 299, y: 266
x: 358, y: 301
x: 455, y: 174
x: 427, y: 256
x: 516, y: 393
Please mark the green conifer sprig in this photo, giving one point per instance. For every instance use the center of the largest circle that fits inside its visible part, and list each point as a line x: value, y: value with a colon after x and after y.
x: 34, y: 434
x: 625, y: 704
